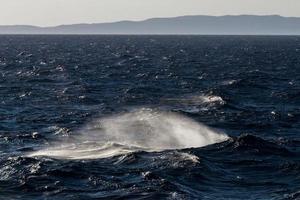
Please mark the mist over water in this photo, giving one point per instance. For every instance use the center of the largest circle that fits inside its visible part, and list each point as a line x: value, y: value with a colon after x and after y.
x: 139, y: 130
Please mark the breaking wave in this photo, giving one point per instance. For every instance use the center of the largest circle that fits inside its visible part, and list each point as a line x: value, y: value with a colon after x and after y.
x: 140, y: 130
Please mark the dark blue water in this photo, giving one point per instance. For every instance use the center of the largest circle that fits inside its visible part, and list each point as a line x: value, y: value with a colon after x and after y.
x: 55, y: 90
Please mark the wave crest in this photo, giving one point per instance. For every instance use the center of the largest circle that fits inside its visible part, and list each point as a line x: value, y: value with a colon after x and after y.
x: 144, y: 129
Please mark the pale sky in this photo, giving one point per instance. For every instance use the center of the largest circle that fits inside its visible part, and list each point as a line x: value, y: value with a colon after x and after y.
x: 55, y: 12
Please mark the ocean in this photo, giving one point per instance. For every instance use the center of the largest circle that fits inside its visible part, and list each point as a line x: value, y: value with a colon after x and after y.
x: 149, y: 117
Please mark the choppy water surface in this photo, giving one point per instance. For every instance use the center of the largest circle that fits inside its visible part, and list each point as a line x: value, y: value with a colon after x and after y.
x: 149, y: 117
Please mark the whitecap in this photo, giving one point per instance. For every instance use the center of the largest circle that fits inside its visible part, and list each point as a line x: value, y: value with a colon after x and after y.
x: 229, y: 82
x: 190, y: 157
x: 197, y: 100
x: 140, y: 130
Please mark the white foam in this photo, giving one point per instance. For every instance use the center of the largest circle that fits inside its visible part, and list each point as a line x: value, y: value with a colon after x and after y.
x: 190, y: 157
x: 198, y: 100
x: 212, y: 99
x: 83, y: 151
x: 229, y: 82
x: 144, y: 129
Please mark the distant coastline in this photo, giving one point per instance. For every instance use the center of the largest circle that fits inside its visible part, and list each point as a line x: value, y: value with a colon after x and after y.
x: 183, y: 25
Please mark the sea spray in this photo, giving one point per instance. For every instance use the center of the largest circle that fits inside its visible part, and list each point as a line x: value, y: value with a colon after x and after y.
x: 140, y: 130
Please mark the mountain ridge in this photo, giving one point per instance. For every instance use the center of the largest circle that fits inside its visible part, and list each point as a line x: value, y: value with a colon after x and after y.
x: 188, y: 24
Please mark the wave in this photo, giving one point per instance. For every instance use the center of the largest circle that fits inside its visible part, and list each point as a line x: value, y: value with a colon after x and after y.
x: 140, y: 130
x: 195, y: 103
x: 253, y: 144
x: 86, y: 150
x: 197, y: 100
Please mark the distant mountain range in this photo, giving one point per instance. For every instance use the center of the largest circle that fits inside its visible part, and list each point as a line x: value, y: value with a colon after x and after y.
x: 200, y: 24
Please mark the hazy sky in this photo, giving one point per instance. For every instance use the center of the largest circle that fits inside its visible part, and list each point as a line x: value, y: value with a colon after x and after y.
x: 54, y: 12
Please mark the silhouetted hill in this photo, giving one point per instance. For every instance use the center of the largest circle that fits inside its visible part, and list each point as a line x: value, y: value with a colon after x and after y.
x: 223, y: 25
